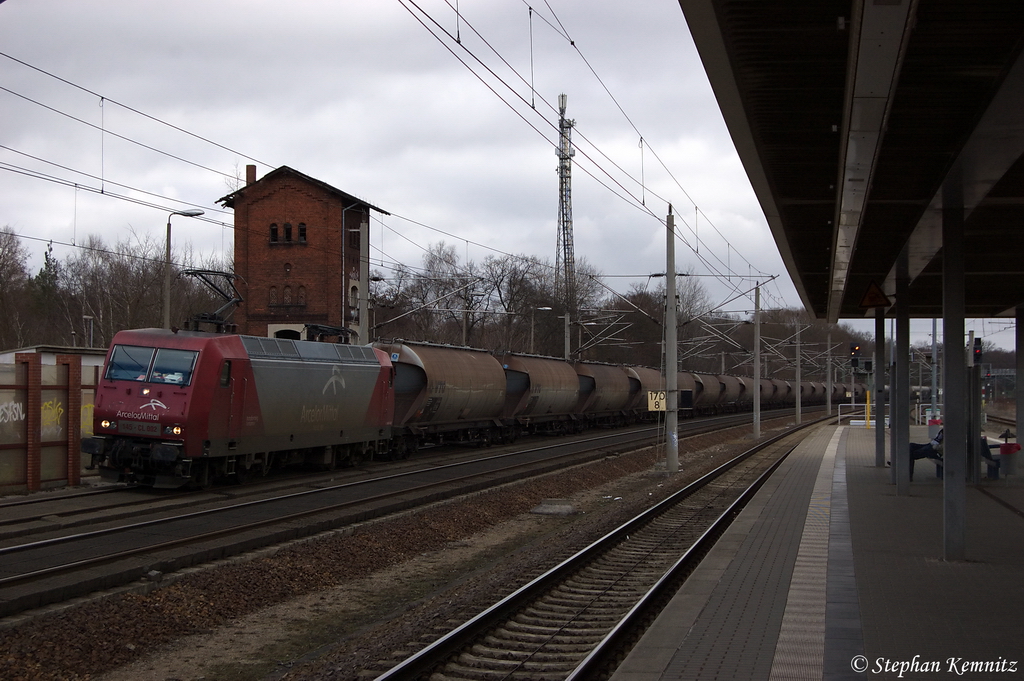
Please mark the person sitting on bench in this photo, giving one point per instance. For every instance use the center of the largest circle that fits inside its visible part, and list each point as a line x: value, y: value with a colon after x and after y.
x: 928, y: 450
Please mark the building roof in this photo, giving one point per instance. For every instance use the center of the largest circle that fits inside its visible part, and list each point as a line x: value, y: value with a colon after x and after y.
x: 229, y: 200
x: 49, y: 352
x: 851, y: 117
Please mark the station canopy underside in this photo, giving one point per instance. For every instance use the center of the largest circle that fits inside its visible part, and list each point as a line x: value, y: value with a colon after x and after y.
x: 850, y: 117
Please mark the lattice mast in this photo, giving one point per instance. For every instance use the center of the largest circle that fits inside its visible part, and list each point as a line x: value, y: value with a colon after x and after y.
x: 565, y: 261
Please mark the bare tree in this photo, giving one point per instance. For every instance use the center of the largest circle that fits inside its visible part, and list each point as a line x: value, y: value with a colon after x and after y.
x: 118, y: 286
x: 516, y: 282
x: 14, y: 280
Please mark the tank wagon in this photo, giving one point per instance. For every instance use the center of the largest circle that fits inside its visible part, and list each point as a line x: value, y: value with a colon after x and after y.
x: 541, y: 394
x: 444, y: 392
x: 178, y: 408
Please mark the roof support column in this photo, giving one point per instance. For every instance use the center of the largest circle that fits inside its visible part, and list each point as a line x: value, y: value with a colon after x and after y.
x: 901, y: 396
x: 1019, y: 381
x: 880, y: 387
x: 954, y: 377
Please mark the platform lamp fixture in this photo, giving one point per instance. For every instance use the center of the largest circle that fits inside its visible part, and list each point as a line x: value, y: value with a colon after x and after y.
x: 533, y: 317
x: 189, y: 213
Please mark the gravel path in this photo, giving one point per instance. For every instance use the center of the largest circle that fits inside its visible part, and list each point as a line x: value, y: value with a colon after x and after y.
x: 349, y: 601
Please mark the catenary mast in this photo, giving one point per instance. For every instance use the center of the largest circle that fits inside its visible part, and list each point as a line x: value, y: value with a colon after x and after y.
x: 565, y: 261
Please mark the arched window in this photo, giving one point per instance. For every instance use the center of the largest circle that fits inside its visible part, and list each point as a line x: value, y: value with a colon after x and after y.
x: 287, y: 231
x: 353, y: 296
x: 302, y: 232
x: 273, y: 295
x: 273, y: 233
x: 302, y: 295
x: 287, y: 295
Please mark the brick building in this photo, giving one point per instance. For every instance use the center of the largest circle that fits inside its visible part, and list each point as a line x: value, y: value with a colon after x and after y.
x: 298, y: 248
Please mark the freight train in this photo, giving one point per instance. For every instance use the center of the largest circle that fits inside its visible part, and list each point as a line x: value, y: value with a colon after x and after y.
x: 176, y: 408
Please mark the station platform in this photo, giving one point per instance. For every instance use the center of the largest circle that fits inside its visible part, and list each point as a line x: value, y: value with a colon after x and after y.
x: 827, y: 574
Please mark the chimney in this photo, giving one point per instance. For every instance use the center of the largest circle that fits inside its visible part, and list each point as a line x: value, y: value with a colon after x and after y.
x: 250, y: 174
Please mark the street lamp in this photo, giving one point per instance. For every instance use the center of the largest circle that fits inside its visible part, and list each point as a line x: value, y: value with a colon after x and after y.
x: 190, y: 213
x: 533, y: 316
x: 88, y: 320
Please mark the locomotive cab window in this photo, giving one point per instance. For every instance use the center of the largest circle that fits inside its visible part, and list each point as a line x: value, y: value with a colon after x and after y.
x: 129, y: 363
x: 174, y: 366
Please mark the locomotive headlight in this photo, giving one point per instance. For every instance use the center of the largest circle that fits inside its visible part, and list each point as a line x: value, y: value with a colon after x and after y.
x: 173, y: 430
x: 106, y: 424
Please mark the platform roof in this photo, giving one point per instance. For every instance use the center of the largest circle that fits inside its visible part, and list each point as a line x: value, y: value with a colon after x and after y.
x: 849, y: 117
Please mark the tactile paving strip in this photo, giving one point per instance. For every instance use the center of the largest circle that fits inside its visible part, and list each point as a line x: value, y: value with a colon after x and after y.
x: 799, y: 652
x: 735, y: 636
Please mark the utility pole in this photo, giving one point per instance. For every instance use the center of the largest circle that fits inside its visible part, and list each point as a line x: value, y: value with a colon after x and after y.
x: 757, y: 361
x: 935, y: 373
x: 671, y: 371
x: 565, y: 261
x: 828, y: 374
x: 568, y: 340
x: 364, y: 283
x: 797, y: 386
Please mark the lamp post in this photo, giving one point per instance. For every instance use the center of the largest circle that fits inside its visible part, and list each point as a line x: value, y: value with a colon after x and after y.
x: 88, y: 320
x: 533, y: 317
x: 190, y: 213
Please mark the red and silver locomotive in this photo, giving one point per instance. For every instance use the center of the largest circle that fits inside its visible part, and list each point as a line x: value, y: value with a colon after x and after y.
x: 179, y: 407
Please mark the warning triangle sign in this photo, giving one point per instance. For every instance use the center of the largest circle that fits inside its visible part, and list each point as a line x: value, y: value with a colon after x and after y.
x: 875, y: 297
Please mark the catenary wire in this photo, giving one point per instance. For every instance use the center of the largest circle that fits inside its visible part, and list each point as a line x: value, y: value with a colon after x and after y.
x: 133, y: 110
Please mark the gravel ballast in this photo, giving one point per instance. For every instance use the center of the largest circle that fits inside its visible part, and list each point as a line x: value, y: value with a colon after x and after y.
x: 341, y: 604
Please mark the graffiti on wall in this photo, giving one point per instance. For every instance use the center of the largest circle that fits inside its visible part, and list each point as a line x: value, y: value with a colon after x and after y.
x: 11, y: 412
x: 53, y: 420
x: 52, y: 412
x: 12, y: 422
x: 87, y: 409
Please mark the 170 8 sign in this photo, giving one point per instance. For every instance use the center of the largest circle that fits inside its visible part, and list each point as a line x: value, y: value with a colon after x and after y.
x: 655, y: 400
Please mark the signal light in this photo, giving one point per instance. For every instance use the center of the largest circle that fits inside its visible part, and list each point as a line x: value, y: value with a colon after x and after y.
x: 977, y: 351
x: 854, y: 354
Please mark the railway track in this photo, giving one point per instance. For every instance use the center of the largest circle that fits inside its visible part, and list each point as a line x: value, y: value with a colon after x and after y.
x: 39, y: 514
x: 64, y: 565
x: 1002, y: 420
x: 569, y: 622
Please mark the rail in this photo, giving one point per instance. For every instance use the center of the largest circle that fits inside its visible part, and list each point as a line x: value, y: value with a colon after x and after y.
x: 423, y: 662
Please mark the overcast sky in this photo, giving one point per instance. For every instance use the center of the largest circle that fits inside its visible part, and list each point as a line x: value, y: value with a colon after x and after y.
x: 455, y: 139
